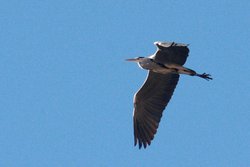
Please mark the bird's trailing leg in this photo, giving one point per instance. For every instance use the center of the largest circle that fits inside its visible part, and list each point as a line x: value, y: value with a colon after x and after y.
x: 183, y: 70
x: 205, y: 76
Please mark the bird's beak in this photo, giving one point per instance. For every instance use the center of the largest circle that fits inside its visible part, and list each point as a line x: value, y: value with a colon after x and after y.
x: 132, y: 60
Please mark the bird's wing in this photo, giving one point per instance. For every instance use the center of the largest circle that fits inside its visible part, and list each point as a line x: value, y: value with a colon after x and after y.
x: 170, y: 52
x: 149, y: 103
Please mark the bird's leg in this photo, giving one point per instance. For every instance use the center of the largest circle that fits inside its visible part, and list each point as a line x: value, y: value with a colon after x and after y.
x: 205, y: 76
x: 184, y: 70
x: 175, y: 68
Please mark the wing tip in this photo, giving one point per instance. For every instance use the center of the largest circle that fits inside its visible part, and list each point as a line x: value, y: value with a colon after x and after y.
x: 168, y: 44
x: 140, y: 136
x: 142, y: 144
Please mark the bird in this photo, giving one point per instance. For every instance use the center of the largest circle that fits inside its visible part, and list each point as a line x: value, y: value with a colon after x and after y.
x: 164, y: 69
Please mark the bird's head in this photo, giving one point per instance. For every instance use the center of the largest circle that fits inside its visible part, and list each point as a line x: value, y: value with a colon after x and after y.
x: 137, y: 59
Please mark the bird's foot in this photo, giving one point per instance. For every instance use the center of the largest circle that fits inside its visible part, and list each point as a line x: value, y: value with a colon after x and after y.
x: 205, y: 76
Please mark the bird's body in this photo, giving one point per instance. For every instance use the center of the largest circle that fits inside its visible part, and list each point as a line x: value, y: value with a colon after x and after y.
x: 150, y: 64
x: 149, y: 102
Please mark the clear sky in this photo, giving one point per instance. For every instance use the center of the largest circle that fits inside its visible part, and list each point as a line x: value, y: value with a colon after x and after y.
x: 66, y: 93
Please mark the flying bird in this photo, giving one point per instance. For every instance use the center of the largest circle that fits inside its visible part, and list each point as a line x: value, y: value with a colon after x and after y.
x: 164, y: 67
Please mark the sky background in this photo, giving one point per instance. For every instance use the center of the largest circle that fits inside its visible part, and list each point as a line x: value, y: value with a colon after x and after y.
x: 66, y: 93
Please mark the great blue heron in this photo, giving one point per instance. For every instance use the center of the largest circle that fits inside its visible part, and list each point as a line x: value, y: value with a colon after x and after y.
x: 149, y: 102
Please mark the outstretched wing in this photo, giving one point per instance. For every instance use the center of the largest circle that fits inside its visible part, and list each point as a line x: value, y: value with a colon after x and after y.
x: 154, y: 95
x: 149, y: 103
x: 171, y: 52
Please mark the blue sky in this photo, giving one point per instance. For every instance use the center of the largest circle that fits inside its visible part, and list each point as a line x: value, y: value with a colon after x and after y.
x: 66, y: 92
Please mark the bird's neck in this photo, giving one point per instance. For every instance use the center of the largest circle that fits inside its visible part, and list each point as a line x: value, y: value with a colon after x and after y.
x: 145, y: 63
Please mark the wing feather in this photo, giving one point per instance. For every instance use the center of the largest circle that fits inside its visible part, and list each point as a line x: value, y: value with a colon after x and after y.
x: 170, y: 52
x: 149, y: 103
